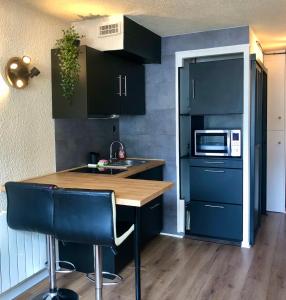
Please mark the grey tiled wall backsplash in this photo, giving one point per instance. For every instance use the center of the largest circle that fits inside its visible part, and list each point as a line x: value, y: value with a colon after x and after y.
x: 76, y: 138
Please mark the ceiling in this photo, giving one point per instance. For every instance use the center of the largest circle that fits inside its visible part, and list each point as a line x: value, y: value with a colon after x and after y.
x: 171, y: 17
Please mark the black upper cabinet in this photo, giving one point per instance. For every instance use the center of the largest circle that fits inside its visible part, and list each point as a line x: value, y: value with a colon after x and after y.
x: 216, y: 87
x: 139, y: 43
x: 132, y: 88
x: 108, y: 85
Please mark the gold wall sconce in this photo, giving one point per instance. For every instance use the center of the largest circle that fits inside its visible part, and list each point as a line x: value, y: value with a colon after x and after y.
x: 18, y: 72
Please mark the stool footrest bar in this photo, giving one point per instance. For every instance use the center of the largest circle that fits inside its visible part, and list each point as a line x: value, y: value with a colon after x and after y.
x: 66, y: 269
x: 107, y: 276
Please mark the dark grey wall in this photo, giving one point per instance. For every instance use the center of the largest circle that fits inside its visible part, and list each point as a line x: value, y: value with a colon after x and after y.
x: 76, y: 138
x: 153, y: 135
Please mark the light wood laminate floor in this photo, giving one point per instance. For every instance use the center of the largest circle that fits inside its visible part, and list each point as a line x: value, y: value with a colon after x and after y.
x: 180, y: 269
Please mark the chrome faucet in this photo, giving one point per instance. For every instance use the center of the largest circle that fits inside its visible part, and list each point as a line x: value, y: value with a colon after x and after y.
x: 110, y: 149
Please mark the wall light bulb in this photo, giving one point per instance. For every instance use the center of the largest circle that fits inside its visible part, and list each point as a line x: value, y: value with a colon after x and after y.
x: 19, y: 83
x: 13, y: 66
x: 26, y: 59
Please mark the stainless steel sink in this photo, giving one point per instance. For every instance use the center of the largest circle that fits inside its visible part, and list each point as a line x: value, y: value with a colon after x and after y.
x: 127, y: 163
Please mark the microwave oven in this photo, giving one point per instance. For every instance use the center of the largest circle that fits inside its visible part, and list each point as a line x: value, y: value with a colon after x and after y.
x: 221, y: 142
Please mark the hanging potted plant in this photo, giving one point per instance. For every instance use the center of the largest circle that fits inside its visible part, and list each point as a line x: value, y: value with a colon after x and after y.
x: 68, y: 54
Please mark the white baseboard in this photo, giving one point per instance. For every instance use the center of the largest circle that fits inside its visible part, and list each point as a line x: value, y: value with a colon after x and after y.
x: 24, y: 286
x: 170, y: 234
x: 245, y: 245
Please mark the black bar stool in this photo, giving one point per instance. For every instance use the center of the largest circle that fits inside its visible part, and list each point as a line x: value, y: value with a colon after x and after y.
x: 30, y: 207
x: 89, y: 216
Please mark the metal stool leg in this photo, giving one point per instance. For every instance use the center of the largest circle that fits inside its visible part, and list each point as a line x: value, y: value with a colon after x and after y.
x: 54, y: 293
x: 97, y: 253
x: 52, y: 265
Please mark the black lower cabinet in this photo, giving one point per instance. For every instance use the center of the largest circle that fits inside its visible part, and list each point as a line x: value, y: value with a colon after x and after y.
x: 215, y: 207
x: 216, y: 185
x: 215, y: 220
x: 81, y: 255
x: 152, y: 216
x: 151, y: 213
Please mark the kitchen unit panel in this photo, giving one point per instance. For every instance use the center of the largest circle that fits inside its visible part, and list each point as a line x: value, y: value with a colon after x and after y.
x: 185, y: 179
x: 215, y: 220
x: 121, y: 36
x: 258, y: 140
x: 185, y: 132
x: 275, y: 91
x: 276, y: 171
x: 184, y: 89
x: 216, y: 87
x: 140, y: 43
x: 216, y: 185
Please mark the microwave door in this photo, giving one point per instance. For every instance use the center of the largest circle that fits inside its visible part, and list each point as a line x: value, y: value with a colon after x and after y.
x: 212, y: 143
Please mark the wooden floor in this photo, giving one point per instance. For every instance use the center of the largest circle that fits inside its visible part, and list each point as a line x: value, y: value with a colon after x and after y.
x: 180, y: 269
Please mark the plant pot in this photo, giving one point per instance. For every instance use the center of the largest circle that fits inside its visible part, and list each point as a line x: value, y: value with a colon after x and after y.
x: 76, y: 43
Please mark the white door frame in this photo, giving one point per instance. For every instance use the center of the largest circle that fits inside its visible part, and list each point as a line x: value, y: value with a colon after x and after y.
x: 180, y: 57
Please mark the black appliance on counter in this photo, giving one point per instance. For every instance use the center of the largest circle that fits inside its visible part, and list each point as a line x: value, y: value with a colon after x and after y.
x: 93, y: 157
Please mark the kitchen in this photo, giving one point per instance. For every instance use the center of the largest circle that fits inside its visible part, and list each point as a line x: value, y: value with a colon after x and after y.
x: 41, y: 145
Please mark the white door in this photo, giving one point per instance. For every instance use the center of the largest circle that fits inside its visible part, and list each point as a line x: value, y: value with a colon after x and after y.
x: 275, y: 171
x: 275, y: 65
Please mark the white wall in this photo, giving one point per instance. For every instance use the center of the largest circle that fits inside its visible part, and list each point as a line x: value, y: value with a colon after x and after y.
x: 26, y: 126
x: 276, y: 131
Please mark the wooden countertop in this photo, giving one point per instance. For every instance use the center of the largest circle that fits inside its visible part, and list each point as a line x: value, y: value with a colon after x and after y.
x: 131, y: 192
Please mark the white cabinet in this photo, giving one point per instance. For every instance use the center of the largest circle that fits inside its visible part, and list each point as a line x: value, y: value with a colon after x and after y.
x: 275, y: 91
x: 276, y: 171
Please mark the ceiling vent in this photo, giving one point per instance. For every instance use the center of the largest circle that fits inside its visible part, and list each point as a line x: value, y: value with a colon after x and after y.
x: 109, y: 29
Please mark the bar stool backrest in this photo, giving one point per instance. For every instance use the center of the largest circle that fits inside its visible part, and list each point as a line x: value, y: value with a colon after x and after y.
x: 85, y: 216
x: 30, y: 207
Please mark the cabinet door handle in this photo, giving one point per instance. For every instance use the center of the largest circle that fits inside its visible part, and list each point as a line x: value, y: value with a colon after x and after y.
x: 214, y: 162
x: 190, y: 94
x: 125, y: 86
x: 193, y: 88
x: 215, y: 171
x: 120, y: 88
x: 155, y: 205
x: 279, y: 118
x: 188, y: 220
x: 213, y: 206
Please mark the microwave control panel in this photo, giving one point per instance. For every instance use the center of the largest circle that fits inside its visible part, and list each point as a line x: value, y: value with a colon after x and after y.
x: 235, y: 143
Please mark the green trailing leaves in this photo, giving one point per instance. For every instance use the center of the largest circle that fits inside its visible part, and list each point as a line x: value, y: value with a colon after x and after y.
x: 68, y: 55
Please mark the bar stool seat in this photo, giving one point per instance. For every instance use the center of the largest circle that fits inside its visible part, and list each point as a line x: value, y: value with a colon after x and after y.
x: 30, y: 207
x: 89, y: 216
